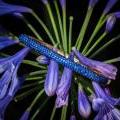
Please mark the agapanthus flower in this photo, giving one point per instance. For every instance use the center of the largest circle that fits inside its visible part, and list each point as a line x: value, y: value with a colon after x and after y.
x: 107, y: 70
x: 6, y: 8
x: 72, y: 117
x: 117, y: 14
x: 62, y: 3
x: 51, y: 81
x: 6, y: 41
x: 92, y: 3
x: 10, y: 83
x: 105, y: 110
x: 100, y: 93
x: 59, y: 32
x: 110, y: 23
x: 109, y: 5
x: 45, y: 1
x: 43, y: 59
x: 64, y: 86
x: 84, y: 107
x: 25, y: 115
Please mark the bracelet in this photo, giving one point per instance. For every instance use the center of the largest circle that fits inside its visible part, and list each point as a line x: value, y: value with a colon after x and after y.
x: 66, y: 62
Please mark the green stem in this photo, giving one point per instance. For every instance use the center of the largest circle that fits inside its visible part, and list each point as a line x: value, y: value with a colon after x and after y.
x: 60, y: 24
x: 25, y: 94
x: 36, y: 99
x: 53, y: 23
x: 97, y: 28
x: 65, y: 28
x: 70, y: 32
x: 64, y: 113
x: 104, y: 46
x: 84, y: 27
x: 33, y: 63
x: 53, y: 113
x: 37, y: 72
x: 100, y: 23
x: 44, y: 27
x: 33, y: 84
x: 34, y: 78
x: 113, y: 60
x: 96, y: 43
x: 32, y: 28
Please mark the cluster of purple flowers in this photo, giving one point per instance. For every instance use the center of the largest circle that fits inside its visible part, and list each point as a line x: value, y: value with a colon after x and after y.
x: 100, y: 100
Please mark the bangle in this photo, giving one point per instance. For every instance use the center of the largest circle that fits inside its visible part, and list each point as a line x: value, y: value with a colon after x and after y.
x: 66, y: 62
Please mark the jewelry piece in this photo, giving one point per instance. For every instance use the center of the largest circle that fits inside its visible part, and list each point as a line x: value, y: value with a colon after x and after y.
x: 46, y: 50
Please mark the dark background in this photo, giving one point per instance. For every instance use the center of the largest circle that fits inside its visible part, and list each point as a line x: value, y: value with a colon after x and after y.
x: 78, y: 9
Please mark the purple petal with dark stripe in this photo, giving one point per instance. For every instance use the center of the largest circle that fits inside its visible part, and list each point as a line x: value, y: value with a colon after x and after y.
x: 107, y: 70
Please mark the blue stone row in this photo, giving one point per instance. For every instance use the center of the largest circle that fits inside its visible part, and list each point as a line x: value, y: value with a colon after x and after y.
x: 41, y: 49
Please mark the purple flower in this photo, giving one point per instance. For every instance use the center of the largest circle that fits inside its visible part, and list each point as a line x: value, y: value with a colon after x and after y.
x: 72, y: 117
x: 8, y: 98
x: 6, y: 8
x: 25, y: 115
x: 110, y: 23
x: 105, y: 110
x: 6, y: 41
x: 84, y: 107
x: 107, y: 70
x: 45, y: 1
x: 43, y: 59
x: 92, y: 3
x: 3, y: 104
x: 62, y: 3
x: 64, y: 86
x: 100, y: 93
x: 116, y: 14
x: 109, y: 5
x: 9, y: 79
x: 9, y: 82
x: 51, y: 81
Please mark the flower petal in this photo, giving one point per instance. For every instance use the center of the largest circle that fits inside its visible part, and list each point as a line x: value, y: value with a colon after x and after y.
x: 110, y: 23
x: 43, y: 59
x: 25, y: 115
x: 92, y: 3
x: 60, y: 101
x: 102, y: 94
x: 6, y: 8
x: 64, y: 86
x: 51, y: 81
x: 5, y: 42
x: 109, y: 5
x: 107, y: 70
x: 84, y: 107
x: 107, y: 112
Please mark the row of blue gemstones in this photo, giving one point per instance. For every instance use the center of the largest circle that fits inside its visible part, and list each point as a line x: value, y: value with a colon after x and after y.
x: 41, y: 49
